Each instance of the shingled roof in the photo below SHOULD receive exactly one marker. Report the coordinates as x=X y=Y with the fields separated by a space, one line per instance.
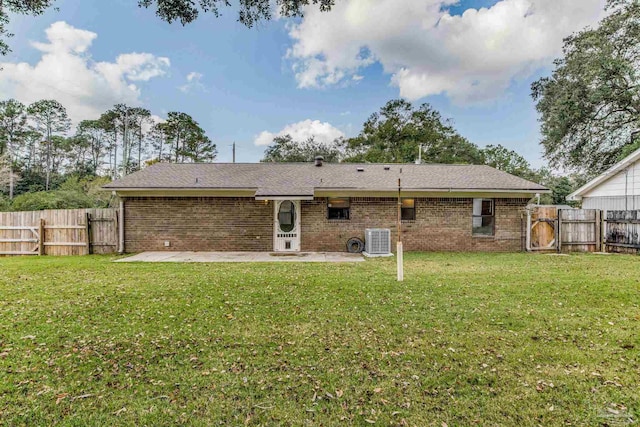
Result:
x=288 y=179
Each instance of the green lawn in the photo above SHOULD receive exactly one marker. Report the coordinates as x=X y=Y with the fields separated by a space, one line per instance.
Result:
x=510 y=339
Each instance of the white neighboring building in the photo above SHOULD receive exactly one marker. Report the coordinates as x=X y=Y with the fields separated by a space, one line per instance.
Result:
x=616 y=189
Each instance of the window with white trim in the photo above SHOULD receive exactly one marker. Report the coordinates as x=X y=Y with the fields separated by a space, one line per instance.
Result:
x=483 y=217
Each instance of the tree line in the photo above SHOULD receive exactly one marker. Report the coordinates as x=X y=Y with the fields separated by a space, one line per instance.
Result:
x=589 y=107
x=39 y=151
x=402 y=133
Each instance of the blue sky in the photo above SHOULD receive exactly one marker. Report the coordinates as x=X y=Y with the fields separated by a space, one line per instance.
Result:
x=262 y=80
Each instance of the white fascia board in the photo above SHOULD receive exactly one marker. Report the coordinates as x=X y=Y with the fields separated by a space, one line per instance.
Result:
x=611 y=172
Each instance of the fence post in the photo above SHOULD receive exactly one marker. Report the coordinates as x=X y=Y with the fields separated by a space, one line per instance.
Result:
x=42 y=236
x=559 y=231
x=527 y=242
x=603 y=228
x=598 y=231
x=88 y=232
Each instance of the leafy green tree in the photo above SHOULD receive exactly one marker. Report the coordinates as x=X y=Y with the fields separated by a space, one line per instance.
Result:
x=50 y=118
x=97 y=136
x=560 y=185
x=187 y=139
x=13 y=125
x=198 y=147
x=5 y=204
x=508 y=161
x=13 y=128
x=52 y=200
x=285 y=149
x=159 y=137
x=91 y=186
x=184 y=11
x=31 y=180
x=140 y=117
x=120 y=122
x=560 y=190
x=18 y=7
x=250 y=11
x=590 y=104
x=177 y=127
x=31 y=156
x=398 y=132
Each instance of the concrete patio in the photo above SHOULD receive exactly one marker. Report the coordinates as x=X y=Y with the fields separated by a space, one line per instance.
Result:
x=243 y=257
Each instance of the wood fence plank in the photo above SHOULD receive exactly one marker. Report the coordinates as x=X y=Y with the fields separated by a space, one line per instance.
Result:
x=18 y=230
x=87 y=221
x=41 y=237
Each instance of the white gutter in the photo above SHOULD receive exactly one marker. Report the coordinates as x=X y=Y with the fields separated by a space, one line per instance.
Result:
x=263 y=198
x=438 y=190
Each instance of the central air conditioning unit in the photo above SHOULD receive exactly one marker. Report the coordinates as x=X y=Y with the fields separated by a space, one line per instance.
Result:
x=378 y=242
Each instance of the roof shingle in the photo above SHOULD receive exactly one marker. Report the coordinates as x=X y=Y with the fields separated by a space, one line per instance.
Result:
x=271 y=179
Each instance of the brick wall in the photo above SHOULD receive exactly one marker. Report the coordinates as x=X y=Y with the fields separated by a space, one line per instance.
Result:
x=244 y=224
x=198 y=224
x=440 y=225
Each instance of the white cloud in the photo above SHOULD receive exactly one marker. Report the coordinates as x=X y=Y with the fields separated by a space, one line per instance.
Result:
x=194 y=81
x=301 y=131
x=66 y=72
x=471 y=58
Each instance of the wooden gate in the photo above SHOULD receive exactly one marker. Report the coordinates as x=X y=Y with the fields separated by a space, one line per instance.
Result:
x=542 y=229
x=59 y=232
x=564 y=230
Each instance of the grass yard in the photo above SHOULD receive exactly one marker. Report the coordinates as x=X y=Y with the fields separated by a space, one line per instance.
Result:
x=510 y=339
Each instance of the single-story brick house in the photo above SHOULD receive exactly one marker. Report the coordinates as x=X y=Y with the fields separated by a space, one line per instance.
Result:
x=318 y=207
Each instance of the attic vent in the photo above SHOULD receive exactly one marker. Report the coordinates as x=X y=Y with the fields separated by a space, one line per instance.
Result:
x=378 y=241
x=360 y=169
x=387 y=168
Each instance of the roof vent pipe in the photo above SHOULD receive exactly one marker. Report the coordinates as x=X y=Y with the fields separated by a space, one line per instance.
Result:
x=319 y=160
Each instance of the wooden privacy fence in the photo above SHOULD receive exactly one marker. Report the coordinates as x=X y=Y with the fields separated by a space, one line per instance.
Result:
x=582 y=230
x=579 y=230
x=623 y=231
x=59 y=232
x=564 y=230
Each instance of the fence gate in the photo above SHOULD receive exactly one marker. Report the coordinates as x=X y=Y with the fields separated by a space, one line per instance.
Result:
x=564 y=230
x=542 y=229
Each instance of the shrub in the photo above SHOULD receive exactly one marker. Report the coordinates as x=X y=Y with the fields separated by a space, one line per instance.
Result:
x=5 y=204
x=64 y=199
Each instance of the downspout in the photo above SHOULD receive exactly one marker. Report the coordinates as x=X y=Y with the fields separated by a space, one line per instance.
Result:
x=121 y=228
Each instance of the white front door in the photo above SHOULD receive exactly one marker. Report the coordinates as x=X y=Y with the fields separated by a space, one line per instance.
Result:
x=286 y=233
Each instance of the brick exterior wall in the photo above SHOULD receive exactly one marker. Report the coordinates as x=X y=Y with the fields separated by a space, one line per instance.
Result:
x=440 y=225
x=198 y=224
x=244 y=224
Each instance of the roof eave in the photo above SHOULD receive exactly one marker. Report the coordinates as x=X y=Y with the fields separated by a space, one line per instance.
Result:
x=612 y=171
